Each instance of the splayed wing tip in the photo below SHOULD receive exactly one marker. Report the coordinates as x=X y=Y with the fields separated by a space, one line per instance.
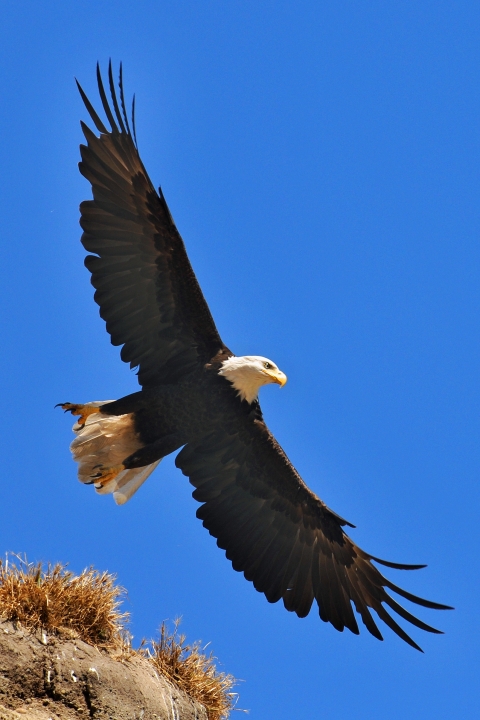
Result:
x=396 y=566
x=91 y=111
x=415 y=598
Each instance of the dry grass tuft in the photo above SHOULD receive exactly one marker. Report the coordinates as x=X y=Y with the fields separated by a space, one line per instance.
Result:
x=192 y=671
x=53 y=599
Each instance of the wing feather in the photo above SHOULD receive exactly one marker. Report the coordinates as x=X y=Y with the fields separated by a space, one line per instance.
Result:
x=283 y=537
x=138 y=258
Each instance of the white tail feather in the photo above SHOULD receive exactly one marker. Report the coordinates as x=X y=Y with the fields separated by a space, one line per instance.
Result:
x=107 y=440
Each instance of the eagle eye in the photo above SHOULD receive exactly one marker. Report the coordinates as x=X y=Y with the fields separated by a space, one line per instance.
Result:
x=267 y=365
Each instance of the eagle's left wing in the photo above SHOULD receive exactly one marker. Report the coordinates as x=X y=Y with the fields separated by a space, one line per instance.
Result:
x=283 y=537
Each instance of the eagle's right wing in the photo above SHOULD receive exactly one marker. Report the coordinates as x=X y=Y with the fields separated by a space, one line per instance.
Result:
x=283 y=537
x=145 y=285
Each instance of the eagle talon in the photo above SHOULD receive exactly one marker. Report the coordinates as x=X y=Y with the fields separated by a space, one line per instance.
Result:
x=83 y=411
x=106 y=474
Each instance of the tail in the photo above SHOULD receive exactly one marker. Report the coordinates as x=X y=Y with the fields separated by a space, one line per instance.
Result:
x=107 y=440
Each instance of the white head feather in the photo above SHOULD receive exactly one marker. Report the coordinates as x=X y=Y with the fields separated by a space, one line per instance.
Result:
x=247 y=374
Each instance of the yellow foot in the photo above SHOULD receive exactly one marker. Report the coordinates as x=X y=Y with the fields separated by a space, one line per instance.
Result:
x=105 y=474
x=82 y=410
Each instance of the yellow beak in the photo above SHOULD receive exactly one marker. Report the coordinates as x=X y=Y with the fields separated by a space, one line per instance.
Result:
x=278 y=377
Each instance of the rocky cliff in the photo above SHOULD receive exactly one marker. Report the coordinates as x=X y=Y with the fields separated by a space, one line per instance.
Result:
x=54 y=677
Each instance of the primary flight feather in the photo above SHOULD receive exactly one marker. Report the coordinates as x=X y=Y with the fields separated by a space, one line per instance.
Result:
x=198 y=396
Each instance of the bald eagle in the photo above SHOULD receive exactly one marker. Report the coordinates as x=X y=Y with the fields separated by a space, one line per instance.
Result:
x=198 y=397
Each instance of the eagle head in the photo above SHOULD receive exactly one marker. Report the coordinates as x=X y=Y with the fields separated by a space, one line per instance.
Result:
x=247 y=374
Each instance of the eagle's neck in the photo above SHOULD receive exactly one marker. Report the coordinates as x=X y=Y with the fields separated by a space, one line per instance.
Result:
x=244 y=376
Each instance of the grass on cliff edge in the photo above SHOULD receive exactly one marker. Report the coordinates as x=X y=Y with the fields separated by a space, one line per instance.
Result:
x=52 y=599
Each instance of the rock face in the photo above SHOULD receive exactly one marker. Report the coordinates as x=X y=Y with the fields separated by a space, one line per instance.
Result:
x=50 y=677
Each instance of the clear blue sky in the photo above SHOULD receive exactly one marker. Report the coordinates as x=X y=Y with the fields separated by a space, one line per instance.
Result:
x=321 y=160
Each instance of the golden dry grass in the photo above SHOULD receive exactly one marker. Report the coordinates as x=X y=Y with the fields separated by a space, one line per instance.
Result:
x=192 y=671
x=51 y=598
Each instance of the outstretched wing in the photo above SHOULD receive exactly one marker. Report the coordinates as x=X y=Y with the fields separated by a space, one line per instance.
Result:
x=283 y=537
x=145 y=286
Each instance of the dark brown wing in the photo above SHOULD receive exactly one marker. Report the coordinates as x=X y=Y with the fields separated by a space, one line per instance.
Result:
x=145 y=286
x=283 y=537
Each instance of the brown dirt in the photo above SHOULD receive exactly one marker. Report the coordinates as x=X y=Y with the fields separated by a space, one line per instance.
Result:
x=50 y=677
